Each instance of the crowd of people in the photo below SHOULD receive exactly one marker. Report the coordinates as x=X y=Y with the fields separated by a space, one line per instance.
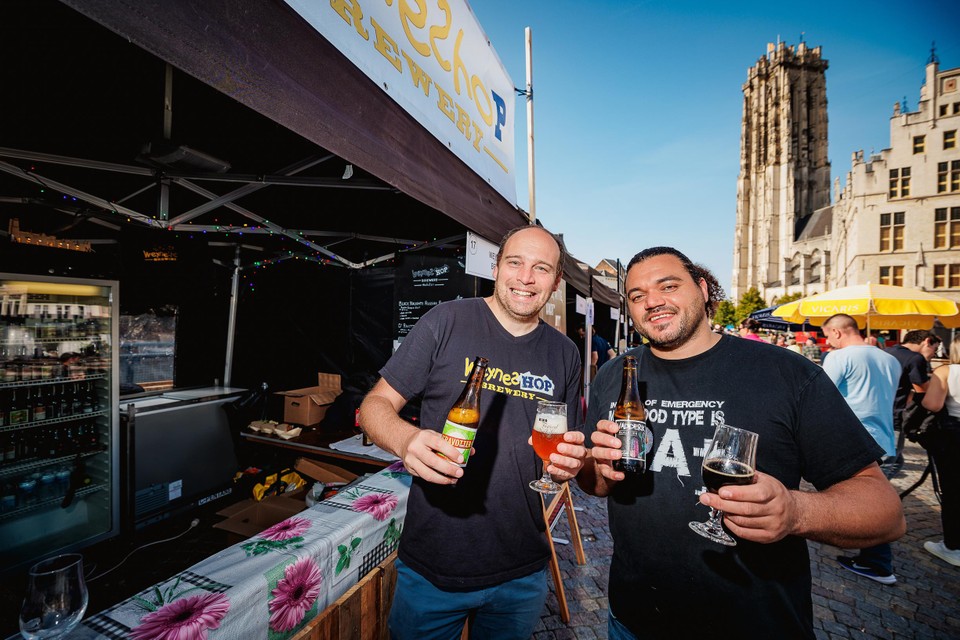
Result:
x=879 y=382
x=474 y=548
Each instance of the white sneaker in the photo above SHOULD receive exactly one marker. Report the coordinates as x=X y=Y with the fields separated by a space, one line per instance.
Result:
x=940 y=550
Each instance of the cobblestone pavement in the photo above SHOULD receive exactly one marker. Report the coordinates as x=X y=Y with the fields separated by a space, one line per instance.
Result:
x=923 y=604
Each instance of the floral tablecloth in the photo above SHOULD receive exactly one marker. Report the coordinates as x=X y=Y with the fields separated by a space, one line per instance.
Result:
x=272 y=584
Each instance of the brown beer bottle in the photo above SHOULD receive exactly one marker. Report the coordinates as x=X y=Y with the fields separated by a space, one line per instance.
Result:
x=631 y=417
x=463 y=418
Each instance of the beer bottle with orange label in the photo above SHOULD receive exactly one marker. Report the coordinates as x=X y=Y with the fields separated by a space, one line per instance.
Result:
x=464 y=417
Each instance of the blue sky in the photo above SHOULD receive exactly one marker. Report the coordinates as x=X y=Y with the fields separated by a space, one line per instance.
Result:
x=638 y=105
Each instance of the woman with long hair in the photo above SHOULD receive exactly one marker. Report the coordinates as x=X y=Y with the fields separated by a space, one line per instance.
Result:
x=944 y=447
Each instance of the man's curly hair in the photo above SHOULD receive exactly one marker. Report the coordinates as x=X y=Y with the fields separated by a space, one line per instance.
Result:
x=697 y=272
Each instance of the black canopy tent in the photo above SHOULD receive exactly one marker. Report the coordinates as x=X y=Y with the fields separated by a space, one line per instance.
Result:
x=769 y=321
x=238 y=122
x=265 y=57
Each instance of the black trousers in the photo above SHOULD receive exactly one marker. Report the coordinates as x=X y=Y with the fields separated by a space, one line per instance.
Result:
x=943 y=445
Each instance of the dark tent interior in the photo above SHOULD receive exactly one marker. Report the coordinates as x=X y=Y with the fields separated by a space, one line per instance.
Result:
x=87 y=94
x=184 y=138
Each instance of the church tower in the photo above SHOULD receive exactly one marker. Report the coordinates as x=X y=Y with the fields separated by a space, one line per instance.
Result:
x=784 y=170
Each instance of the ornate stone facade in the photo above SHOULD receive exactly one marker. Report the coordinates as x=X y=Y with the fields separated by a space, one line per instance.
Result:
x=895 y=221
x=784 y=174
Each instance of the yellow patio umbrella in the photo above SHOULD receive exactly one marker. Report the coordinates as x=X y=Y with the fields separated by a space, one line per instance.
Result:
x=951 y=322
x=875 y=306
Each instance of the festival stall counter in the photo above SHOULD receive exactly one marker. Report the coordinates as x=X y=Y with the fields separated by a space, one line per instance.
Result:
x=275 y=583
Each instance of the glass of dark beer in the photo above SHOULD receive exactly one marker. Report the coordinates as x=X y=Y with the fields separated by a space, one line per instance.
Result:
x=548 y=429
x=731 y=458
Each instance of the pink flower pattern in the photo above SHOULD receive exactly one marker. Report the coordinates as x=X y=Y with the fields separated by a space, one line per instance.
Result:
x=379 y=505
x=184 y=619
x=295 y=594
x=289 y=528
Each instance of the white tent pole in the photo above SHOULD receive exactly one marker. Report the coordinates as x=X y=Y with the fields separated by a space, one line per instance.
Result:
x=531 y=180
x=587 y=350
x=232 y=319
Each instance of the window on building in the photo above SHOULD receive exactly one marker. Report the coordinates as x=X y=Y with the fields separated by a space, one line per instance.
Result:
x=946 y=228
x=946 y=276
x=919 y=143
x=950 y=139
x=956 y=108
x=892 y=276
x=943 y=109
x=948 y=176
x=900 y=182
x=891 y=231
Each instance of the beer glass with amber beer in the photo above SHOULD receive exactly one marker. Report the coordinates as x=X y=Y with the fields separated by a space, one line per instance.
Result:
x=548 y=429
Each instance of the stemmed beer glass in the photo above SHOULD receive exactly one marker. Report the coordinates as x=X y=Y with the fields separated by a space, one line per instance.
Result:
x=731 y=458
x=56 y=597
x=548 y=429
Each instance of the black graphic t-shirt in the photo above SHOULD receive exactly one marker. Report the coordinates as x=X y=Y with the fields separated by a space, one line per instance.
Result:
x=489 y=527
x=667 y=581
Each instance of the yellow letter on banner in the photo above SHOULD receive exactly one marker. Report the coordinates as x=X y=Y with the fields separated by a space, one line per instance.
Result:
x=386 y=45
x=351 y=13
x=463 y=121
x=419 y=19
x=478 y=91
x=444 y=103
x=420 y=78
x=459 y=67
x=441 y=33
x=479 y=136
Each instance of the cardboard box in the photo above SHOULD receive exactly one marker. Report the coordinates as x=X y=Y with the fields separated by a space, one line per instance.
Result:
x=322 y=471
x=307 y=406
x=249 y=517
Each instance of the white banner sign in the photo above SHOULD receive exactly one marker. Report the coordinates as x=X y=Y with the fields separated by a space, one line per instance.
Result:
x=481 y=256
x=433 y=58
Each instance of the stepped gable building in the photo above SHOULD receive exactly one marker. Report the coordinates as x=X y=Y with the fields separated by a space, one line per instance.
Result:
x=784 y=175
x=895 y=221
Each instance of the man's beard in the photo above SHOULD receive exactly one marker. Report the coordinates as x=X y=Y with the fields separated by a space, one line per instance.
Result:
x=690 y=320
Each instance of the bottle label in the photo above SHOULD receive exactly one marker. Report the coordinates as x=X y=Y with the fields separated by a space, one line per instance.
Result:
x=633 y=438
x=461 y=437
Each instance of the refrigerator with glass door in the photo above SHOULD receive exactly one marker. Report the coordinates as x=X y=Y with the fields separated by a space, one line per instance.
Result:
x=59 y=395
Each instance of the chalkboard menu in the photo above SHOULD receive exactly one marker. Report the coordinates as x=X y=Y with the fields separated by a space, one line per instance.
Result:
x=422 y=282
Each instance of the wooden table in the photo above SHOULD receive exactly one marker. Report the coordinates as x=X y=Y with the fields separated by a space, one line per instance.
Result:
x=276 y=583
x=315 y=442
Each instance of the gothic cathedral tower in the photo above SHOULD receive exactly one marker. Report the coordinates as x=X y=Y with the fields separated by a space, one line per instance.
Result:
x=784 y=168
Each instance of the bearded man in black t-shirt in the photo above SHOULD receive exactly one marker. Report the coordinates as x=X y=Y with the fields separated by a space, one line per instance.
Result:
x=668 y=582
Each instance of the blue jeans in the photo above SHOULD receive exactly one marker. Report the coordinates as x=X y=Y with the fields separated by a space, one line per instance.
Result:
x=880 y=556
x=509 y=610
x=616 y=630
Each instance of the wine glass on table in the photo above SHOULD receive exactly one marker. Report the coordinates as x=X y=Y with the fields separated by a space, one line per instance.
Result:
x=731 y=458
x=56 y=597
x=548 y=429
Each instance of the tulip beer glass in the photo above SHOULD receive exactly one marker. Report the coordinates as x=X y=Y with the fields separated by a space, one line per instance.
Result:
x=56 y=597
x=731 y=458
x=548 y=429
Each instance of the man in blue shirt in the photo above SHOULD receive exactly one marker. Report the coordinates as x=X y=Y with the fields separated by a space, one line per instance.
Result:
x=867 y=378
